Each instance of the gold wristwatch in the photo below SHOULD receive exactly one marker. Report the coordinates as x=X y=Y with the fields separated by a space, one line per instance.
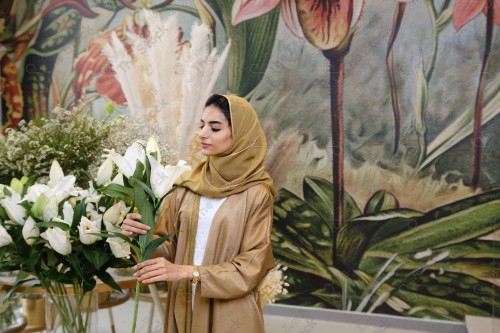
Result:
x=196 y=275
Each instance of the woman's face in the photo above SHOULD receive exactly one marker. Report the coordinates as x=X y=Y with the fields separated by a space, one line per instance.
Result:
x=215 y=133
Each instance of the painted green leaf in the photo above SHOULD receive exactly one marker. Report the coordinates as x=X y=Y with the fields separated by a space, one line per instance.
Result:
x=354 y=237
x=319 y=195
x=452 y=229
x=252 y=43
x=381 y=201
x=462 y=127
x=396 y=227
x=421 y=97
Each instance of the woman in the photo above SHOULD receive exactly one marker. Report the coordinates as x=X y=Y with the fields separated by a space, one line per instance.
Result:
x=220 y=222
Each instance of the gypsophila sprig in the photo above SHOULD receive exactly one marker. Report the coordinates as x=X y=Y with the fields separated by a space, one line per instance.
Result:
x=273 y=285
x=74 y=138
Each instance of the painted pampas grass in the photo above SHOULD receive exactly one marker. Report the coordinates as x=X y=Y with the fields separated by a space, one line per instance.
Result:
x=166 y=81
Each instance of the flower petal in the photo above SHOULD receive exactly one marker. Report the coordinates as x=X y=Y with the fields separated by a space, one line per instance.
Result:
x=247 y=9
x=325 y=23
x=291 y=18
x=465 y=10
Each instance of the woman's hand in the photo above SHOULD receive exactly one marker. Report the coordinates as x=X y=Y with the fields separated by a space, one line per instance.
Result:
x=132 y=225
x=160 y=269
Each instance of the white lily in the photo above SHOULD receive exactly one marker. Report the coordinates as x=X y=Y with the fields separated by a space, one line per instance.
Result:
x=152 y=148
x=87 y=227
x=56 y=174
x=118 y=179
x=127 y=163
x=115 y=214
x=119 y=247
x=35 y=191
x=104 y=172
x=5 y=238
x=163 y=178
x=51 y=209
x=17 y=185
x=92 y=213
x=68 y=212
x=30 y=231
x=58 y=240
x=15 y=212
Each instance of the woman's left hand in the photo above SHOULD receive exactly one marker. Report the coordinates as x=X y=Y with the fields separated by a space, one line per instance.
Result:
x=160 y=269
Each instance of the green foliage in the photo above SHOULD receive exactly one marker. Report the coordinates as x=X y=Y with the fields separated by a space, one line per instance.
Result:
x=74 y=139
x=391 y=260
x=252 y=42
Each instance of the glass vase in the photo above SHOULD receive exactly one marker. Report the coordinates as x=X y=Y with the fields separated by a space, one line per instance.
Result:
x=71 y=313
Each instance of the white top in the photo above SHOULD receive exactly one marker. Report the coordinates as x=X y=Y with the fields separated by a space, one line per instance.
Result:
x=208 y=208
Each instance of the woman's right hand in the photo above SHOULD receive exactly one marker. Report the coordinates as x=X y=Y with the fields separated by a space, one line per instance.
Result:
x=132 y=225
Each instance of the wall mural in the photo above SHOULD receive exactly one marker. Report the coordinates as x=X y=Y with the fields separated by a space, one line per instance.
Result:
x=381 y=116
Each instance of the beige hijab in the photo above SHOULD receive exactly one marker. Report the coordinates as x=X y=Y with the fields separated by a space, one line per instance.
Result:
x=242 y=165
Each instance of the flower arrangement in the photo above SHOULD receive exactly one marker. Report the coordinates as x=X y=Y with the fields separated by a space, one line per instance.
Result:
x=62 y=234
x=46 y=233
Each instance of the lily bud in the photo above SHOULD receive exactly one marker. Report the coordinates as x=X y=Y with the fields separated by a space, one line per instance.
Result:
x=5 y=238
x=30 y=231
x=104 y=172
x=58 y=240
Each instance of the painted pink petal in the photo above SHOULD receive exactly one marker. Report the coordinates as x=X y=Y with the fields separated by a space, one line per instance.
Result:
x=496 y=13
x=465 y=10
x=247 y=9
x=357 y=9
x=291 y=18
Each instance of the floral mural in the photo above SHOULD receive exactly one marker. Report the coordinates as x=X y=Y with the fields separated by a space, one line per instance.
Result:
x=381 y=117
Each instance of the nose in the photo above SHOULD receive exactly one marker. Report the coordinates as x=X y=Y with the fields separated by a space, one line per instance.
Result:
x=202 y=132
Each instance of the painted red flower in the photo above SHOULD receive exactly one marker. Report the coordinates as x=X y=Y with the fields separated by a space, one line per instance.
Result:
x=465 y=11
x=92 y=67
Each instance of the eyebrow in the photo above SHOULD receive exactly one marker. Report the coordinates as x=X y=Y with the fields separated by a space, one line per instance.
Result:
x=212 y=122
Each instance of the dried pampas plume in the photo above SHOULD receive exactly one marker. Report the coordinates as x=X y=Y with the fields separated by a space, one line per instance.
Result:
x=281 y=154
x=166 y=81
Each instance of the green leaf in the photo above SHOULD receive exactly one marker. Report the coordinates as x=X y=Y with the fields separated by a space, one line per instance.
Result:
x=444 y=19
x=135 y=181
x=51 y=224
x=410 y=220
x=381 y=201
x=39 y=206
x=252 y=43
x=452 y=229
x=300 y=228
x=153 y=245
x=118 y=191
x=462 y=127
x=79 y=211
x=15 y=287
x=97 y=257
x=139 y=170
x=146 y=210
x=421 y=97
x=73 y=260
x=108 y=279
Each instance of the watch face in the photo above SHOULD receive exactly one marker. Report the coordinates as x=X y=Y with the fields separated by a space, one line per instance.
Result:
x=196 y=274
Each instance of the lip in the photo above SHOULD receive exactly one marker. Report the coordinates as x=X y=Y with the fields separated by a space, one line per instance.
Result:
x=204 y=145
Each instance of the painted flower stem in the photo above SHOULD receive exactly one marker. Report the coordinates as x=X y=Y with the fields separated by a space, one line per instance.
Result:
x=398 y=17
x=336 y=59
x=477 y=141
